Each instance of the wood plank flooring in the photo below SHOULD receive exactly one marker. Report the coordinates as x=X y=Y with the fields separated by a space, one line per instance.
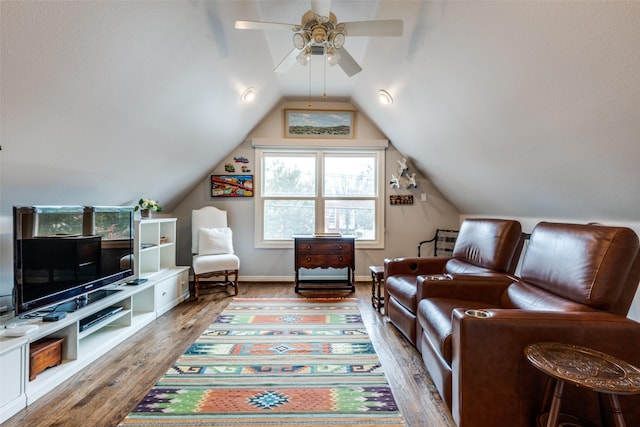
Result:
x=105 y=393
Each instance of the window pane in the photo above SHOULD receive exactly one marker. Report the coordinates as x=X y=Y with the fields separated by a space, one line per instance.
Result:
x=284 y=218
x=356 y=217
x=59 y=223
x=113 y=225
x=289 y=175
x=350 y=176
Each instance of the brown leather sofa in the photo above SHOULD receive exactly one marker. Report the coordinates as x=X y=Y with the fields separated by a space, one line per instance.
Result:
x=489 y=249
x=576 y=285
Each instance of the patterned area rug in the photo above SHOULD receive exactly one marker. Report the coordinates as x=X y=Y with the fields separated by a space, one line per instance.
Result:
x=277 y=362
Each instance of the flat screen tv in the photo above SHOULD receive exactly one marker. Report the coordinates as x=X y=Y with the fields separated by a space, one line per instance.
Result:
x=62 y=253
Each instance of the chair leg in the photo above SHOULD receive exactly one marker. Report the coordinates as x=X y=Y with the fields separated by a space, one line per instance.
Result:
x=227 y=281
x=196 y=290
x=192 y=289
x=235 y=282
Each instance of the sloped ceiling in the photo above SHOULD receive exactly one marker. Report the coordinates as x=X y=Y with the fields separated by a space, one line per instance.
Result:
x=510 y=108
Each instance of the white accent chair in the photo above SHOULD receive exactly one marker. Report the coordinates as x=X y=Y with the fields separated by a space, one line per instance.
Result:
x=212 y=248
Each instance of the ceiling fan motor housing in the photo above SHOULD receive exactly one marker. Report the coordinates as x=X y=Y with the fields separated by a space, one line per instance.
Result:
x=320 y=30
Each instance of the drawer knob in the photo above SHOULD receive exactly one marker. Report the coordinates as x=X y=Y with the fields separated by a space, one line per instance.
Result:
x=308 y=247
x=340 y=258
x=308 y=259
x=340 y=247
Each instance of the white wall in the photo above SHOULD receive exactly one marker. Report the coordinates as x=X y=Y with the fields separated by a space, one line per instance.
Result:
x=405 y=225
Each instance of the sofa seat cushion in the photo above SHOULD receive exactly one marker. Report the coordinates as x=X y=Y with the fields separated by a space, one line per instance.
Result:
x=210 y=263
x=456 y=266
x=434 y=317
x=402 y=287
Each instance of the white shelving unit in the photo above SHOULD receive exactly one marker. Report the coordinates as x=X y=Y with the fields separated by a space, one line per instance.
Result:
x=155 y=246
x=166 y=287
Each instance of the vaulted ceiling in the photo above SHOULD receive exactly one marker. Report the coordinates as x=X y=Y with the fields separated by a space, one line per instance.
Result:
x=513 y=108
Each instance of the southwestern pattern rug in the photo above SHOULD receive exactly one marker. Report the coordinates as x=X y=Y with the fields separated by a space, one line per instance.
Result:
x=278 y=362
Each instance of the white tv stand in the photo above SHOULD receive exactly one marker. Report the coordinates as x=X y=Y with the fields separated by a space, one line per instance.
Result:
x=167 y=286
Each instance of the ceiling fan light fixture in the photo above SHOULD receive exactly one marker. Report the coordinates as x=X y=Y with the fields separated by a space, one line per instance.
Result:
x=248 y=95
x=336 y=39
x=319 y=30
x=300 y=40
x=333 y=57
x=304 y=56
x=384 y=97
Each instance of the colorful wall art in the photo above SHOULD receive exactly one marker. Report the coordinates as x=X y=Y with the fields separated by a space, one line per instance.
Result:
x=231 y=185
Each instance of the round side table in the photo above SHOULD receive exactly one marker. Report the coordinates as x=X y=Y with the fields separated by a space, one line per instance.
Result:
x=585 y=368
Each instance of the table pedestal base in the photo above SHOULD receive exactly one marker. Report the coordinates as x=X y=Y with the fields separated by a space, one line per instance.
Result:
x=564 y=420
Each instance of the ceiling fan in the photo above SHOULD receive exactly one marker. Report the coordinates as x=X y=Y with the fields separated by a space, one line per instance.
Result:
x=319 y=33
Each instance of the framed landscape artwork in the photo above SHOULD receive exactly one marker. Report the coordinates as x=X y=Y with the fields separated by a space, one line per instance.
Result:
x=231 y=185
x=319 y=123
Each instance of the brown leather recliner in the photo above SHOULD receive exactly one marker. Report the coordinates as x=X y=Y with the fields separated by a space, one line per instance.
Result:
x=576 y=285
x=486 y=248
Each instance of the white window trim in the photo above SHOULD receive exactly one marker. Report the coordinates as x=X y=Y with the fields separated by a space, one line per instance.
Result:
x=377 y=149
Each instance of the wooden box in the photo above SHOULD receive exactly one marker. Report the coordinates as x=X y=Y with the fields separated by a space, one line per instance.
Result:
x=43 y=354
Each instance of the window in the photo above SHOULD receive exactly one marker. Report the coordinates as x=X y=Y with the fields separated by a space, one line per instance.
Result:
x=315 y=190
x=59 y=221
x=111 y=223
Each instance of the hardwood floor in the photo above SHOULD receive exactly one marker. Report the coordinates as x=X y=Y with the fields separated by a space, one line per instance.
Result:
x=106 y=392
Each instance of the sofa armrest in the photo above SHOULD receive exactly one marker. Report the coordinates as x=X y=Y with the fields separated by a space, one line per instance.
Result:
x=414 y=266
x=486 y=288
x=488 y=355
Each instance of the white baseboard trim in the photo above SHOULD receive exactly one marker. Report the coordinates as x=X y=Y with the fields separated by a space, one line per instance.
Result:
x=287 y=278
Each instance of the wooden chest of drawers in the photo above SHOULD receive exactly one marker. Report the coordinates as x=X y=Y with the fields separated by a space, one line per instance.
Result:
x=43 y=354
x=325 y=252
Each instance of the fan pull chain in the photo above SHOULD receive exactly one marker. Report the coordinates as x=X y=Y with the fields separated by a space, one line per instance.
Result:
x=309 y=101
x=324 y=91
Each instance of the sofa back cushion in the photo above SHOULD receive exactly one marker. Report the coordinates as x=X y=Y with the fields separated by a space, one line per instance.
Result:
x=485 y=245
x=524 y=296
x=587 y=264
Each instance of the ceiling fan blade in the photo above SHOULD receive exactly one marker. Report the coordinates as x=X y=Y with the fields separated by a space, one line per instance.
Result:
x=287 y=62
x=321 y=7
x=348 y=64
x=257 y=25
x=381 y=28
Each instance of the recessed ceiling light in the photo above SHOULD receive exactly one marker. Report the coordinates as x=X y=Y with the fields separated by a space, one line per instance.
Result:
x=384 y=97
x=248 y=95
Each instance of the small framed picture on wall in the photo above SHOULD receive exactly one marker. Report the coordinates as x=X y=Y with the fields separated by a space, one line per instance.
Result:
x=319 y=123
x=231 y=185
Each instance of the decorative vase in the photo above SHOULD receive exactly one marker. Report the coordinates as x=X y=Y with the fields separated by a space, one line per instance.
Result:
x=145 y=213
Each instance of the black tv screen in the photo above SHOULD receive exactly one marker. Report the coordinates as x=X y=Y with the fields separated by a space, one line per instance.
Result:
x=64 y=252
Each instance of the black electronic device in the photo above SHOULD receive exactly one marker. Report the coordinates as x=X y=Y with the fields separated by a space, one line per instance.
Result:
x=54 y=317
x=136 y=282
x=64 y=252
x=97 y=317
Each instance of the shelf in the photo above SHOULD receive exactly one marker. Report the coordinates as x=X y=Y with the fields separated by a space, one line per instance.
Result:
x=106 y=321
x=168 y=285
x=106 y=338
x=160 y=233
